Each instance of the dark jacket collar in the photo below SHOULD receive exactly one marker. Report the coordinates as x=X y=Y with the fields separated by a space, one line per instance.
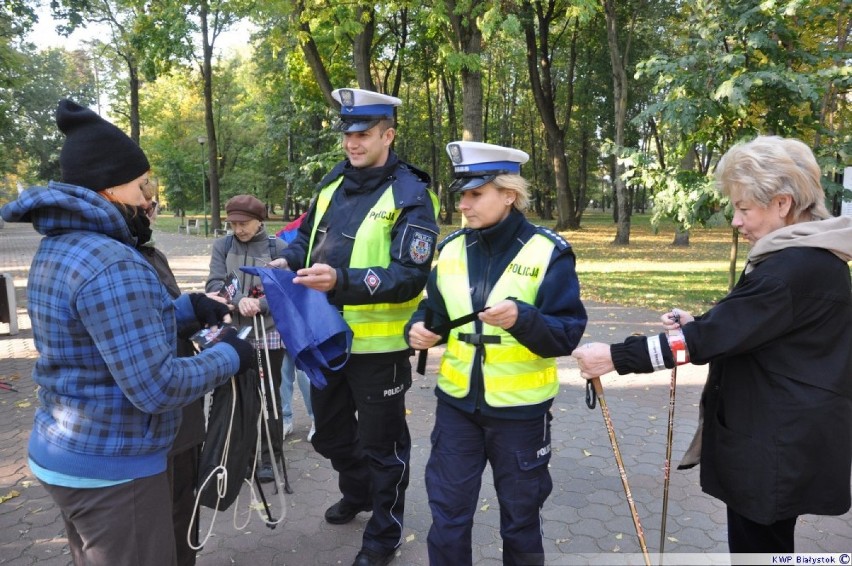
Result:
x=501 y=235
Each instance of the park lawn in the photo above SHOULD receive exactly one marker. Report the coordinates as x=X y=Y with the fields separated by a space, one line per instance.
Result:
x=648 y=273
x=651 y=272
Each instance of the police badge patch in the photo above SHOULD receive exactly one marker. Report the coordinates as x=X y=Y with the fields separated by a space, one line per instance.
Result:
x=347 y=99
x=421 y=247
x=372 y=281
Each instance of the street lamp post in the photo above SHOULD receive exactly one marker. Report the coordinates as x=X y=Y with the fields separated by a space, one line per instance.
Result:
x=201 y=141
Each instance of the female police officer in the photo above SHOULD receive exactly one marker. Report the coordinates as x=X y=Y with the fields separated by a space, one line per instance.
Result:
x=497 y=378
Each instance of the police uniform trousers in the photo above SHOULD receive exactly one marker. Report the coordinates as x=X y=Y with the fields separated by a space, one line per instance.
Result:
x=518 y=451
x=370 y=451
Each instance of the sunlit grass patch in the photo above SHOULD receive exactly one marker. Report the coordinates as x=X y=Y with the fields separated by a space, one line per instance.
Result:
x=693 y=291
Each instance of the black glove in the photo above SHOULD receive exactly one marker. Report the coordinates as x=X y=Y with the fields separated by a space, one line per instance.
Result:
x=244 y=350
x=208 y=312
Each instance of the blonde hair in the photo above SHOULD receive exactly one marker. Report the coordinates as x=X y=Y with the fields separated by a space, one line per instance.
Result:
x=769 y=166
x=518 y=185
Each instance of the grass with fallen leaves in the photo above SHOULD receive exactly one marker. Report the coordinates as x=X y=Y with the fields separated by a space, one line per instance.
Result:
x=649 y=272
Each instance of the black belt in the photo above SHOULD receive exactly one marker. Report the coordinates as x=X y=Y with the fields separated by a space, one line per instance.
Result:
x=443 y=329
x=477 y=339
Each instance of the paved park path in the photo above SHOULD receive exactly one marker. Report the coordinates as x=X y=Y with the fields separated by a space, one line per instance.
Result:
x=586 y=519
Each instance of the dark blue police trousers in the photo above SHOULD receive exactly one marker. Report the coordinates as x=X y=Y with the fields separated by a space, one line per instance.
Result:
x=369 y=450
x=518 y=451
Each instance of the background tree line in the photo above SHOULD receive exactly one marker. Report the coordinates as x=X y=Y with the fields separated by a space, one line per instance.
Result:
x=620 y=104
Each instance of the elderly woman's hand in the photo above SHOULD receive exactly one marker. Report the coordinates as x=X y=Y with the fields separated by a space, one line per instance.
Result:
x=249 y=306
x=675 y=319
x=594 y=359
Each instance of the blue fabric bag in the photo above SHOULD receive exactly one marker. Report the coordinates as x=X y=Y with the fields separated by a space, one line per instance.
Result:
x=313 y=331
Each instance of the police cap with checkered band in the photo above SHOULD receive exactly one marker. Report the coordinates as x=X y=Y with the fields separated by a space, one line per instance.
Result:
x=361 y=109
x=477 y=163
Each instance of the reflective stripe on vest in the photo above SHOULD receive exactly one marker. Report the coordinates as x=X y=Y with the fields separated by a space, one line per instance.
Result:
x=376 y=327
x=512 y=374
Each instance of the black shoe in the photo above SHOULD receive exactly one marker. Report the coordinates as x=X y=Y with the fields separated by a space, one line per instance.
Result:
x=265 y=473
x=343 y=512
x=372 y=558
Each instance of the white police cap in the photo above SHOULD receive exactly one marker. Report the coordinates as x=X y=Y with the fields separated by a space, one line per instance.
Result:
x=361 y=109
x=477 y=163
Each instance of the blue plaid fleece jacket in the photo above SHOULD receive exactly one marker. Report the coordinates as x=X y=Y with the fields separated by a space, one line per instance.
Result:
x=110 y=383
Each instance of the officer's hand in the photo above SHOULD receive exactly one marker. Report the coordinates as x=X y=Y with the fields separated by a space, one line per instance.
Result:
x=504 y=314
x=209 y=312
x=244 y=350
x=279 y=263
x=420 y=338
x=319 y=276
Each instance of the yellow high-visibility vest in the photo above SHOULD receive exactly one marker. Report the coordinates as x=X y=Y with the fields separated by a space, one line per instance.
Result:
x=512 y=374
x=375 y=327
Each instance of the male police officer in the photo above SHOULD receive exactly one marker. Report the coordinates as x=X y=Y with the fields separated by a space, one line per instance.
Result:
x=367 y=242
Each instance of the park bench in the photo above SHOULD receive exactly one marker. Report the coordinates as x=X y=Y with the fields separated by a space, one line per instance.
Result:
x=224 y=230
x=191 y=226
x=8 y=306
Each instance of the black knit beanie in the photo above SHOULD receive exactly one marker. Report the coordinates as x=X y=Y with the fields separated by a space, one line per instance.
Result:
x=96 y=154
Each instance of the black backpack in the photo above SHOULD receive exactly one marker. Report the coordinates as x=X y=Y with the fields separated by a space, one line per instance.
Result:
x=228 y=449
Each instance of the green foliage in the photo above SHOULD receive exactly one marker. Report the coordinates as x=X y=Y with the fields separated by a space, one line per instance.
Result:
x=688 y=198
x=52 y=74
x=702 y=75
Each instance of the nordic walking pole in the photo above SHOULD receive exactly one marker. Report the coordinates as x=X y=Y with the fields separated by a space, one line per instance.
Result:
x=595 y=389
x=668 y=467
x=268 y=365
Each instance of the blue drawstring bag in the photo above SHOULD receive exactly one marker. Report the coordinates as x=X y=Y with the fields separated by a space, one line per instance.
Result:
x=313 y=331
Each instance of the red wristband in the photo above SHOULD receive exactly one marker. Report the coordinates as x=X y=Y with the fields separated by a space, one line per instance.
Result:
x=677 y=344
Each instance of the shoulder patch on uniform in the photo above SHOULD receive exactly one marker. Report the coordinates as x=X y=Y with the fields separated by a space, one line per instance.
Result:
x=451 y=236
x=560 y=242
x=420 y=249
x=372 y=281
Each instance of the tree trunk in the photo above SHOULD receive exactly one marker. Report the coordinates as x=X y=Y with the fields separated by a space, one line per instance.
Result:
x=362 y=47
x=452 y=123
x=434 y=150
x=312 y=56
x=583 y=173
x=681 y=237
x=210 y=125
x=133 y=71
x=471 y=105
x=619 y=91
x=468 y=40
x=537 y=34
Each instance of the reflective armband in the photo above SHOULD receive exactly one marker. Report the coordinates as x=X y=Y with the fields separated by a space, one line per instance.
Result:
x=677 y=343
x=655 y=352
